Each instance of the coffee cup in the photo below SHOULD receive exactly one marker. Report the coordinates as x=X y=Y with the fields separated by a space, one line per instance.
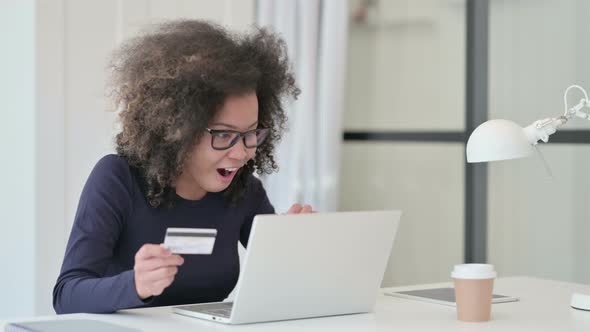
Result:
x=474 y=285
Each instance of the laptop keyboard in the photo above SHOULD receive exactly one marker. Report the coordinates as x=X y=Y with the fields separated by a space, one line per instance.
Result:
x=215 y=309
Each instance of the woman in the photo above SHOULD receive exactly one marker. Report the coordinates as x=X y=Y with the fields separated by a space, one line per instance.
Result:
x=202 y=109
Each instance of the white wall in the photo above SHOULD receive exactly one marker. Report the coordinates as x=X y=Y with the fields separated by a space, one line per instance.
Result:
x=56 y=124
x=50 y=177
x=18 y=160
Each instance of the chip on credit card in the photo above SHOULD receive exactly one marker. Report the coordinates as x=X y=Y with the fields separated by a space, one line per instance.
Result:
x=190 y=241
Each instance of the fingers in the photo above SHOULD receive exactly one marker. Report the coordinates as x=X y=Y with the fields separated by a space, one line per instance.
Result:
x=160 y=274
x=306 y=209
x=152 y=250
x=298 y=208
x=155 y=268
x=154 y=288
x=295 y=208
x=161 y=285
x=156 y=262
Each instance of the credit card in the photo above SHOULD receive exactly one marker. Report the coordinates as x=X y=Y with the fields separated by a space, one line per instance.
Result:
x=190 y=241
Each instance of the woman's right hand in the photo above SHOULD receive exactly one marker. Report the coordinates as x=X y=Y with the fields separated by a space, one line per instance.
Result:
x=155 y=269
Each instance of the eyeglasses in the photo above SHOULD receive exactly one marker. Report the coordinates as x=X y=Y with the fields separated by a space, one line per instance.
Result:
x=225 y=139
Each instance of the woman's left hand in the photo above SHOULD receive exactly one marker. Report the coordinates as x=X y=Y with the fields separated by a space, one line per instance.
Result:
x=298 y=208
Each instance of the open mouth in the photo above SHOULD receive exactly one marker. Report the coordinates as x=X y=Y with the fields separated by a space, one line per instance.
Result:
x=227 y=172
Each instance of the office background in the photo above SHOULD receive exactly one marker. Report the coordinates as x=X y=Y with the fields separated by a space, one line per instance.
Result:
x=408 y=97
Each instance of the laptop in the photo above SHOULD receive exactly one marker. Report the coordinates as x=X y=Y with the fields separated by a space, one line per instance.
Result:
x=307 y=265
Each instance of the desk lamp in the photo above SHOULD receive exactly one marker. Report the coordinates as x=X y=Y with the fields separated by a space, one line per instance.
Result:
x=502 y=140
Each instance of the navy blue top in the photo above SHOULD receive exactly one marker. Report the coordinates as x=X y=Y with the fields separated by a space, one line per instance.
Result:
x=114 y=220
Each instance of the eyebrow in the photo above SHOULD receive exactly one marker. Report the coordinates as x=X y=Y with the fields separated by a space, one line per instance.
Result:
x=231 y=126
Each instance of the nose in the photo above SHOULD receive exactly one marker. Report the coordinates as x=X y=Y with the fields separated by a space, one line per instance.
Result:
x=239 y=150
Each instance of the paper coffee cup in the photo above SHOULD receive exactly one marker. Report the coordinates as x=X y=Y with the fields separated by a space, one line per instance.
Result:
x=474 y=285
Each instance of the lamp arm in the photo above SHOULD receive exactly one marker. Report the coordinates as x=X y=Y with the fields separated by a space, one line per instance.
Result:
x=576 y=110
x=540 y=130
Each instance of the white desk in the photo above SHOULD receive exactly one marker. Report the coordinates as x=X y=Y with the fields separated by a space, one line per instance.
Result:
x=543 y=306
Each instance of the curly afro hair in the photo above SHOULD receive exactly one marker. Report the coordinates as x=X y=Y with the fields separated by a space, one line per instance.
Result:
x=170 y=81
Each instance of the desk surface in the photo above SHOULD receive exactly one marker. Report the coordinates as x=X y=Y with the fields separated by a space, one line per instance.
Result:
x=543 y=306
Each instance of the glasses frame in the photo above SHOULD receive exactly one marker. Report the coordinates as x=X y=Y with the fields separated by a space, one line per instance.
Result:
x=241 y=135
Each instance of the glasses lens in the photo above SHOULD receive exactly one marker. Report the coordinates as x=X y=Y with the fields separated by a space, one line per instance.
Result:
x=255 y=138
x=223 y=140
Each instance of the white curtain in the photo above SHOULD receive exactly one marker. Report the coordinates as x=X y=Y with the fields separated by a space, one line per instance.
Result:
x=316 y=33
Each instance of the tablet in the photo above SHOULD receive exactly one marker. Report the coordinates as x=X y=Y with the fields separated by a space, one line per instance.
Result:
x=68 y=325
x=445 y=296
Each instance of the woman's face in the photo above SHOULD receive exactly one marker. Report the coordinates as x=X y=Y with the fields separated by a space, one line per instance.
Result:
x=212 y=170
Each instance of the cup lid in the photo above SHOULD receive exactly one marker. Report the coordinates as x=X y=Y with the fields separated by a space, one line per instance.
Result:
x=474 y=271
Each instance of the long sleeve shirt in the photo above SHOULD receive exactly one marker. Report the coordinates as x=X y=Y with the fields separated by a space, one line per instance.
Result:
x=114 y=220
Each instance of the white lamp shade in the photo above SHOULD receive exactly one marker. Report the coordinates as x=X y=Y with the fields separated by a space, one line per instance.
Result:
x=497 y=140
